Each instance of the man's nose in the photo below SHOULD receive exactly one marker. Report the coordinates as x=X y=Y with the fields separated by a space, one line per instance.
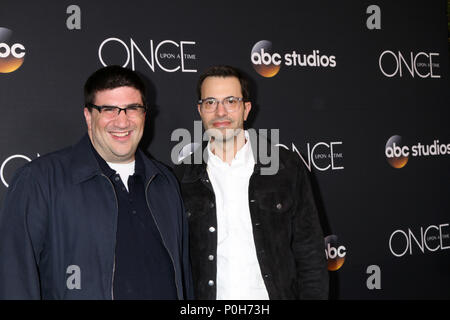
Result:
x=221 y=110
x=122 y=119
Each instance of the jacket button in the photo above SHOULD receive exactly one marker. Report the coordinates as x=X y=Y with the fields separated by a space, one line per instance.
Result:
x=188 y=213
x=210 y=283
x=210 y=257
x=212 y=229
x=279 y=206
x=211 y=205
x=117 y=178
x=257 y=224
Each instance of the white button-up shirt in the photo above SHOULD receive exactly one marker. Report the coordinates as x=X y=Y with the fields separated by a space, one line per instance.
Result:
x=238 y=272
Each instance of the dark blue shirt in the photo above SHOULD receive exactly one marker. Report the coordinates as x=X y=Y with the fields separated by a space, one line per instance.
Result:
x=143 y=267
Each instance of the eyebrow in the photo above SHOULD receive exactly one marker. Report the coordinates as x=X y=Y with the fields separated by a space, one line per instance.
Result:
x=218 y=98
x=128 y=105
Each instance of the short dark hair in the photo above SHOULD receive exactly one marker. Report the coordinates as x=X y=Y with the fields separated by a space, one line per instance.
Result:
x=224 y=71
x=112 y=77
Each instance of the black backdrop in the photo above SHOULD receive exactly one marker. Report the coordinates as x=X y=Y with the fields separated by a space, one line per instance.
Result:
x=386 y=92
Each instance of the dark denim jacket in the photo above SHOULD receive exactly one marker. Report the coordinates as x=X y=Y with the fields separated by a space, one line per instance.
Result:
x=286 y=229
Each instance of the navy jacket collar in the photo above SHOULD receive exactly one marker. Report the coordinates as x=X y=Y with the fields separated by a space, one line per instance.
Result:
x=84 y=164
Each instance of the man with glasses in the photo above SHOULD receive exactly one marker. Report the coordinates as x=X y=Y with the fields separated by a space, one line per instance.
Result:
x=98 y=220
x=252 y=236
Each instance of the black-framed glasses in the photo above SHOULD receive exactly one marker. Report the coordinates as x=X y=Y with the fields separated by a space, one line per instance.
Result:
x=111 y=112
x=230 y=103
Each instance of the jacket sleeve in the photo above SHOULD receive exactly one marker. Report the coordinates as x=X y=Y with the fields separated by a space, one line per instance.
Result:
x=308 y=243
x=22 y=229
x=188 y=283
x=187 y=274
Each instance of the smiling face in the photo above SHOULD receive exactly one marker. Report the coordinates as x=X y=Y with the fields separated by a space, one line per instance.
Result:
x=115 y=140
x=221 y=123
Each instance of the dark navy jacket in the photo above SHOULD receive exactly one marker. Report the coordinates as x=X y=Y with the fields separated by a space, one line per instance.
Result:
x=58 y=227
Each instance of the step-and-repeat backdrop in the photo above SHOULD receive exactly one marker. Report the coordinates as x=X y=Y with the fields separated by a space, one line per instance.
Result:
x=359 y=90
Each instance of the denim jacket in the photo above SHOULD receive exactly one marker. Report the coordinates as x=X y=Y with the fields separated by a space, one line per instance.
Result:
x=286 y=229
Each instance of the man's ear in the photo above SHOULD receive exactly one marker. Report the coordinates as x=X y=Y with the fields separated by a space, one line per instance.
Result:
x=87 y=117
x=247 y=108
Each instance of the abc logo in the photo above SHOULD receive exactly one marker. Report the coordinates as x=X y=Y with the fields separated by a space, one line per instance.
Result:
x=11 y=54
x=264 y=61
x=396 y=154
x=334 y=252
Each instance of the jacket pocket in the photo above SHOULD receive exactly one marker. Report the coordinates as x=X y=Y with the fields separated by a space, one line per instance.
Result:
x=197 y=207
x=277 y=203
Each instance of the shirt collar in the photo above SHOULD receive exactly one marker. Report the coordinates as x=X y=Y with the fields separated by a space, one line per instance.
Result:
x=243 y=158
x=109 y=172
x=194 y=171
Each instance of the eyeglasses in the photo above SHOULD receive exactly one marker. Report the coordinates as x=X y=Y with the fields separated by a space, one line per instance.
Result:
x=111 y=112
x=230 y=103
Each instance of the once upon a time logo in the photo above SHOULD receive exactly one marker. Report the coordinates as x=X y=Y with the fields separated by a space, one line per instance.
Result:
x=410 y=64
x=424 y=239
x=166 y=55
x=322 y=156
